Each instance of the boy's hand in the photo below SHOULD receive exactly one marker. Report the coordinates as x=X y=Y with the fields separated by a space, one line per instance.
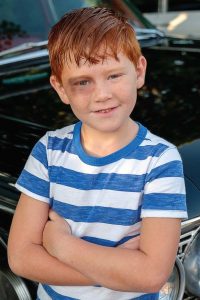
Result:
x=132 y=244
x=54 y=231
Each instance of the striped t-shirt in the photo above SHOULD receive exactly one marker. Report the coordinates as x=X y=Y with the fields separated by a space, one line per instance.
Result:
x=104 y=198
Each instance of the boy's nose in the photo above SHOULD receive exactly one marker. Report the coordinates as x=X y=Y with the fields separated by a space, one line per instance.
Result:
x=102 y=92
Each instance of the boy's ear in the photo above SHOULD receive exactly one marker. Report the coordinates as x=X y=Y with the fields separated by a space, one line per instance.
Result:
x=58 y=87
x=141 y=71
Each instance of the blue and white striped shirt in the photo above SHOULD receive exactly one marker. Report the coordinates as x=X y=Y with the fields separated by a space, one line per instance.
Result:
x=104 y=198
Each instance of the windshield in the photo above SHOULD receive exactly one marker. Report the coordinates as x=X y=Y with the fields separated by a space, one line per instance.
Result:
x=27 y=21
x=22 y=21
x=60 y=7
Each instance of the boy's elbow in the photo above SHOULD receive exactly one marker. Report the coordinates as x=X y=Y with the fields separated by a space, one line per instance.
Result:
x=155 y=281
x=155 y=284
x=15 y=262
x=160 y=276
x=151 y=282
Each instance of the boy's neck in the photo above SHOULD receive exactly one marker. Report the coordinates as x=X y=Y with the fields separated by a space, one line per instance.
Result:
x=100 y=144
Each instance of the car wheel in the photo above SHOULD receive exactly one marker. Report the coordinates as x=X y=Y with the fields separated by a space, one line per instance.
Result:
x=175 y=286
x=12 y=287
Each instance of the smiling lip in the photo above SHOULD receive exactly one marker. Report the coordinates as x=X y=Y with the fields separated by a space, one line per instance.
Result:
x=106 y=110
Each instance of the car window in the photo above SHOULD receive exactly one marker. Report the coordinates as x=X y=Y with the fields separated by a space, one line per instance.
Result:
x=61 y=6
x=30 y=20
x=22 y=21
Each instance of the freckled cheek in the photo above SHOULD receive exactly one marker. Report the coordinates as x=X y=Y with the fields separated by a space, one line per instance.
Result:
x=80 y=105
x=127 y=96
x=80 y=112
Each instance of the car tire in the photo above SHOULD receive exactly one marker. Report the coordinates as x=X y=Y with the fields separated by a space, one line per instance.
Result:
x=12 y=287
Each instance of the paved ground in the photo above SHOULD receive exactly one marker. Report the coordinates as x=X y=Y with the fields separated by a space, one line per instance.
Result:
x=178 y=23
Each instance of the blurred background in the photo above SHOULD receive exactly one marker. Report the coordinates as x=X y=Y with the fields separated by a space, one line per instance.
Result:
x=179 y=17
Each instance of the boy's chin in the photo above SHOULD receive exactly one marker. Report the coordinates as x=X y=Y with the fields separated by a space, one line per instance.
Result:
x=106 y=127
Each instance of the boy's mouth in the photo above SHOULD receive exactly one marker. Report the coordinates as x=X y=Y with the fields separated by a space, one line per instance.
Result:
x=107 y=110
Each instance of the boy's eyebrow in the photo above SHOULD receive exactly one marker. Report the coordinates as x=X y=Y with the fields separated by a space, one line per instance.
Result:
x=87 y=76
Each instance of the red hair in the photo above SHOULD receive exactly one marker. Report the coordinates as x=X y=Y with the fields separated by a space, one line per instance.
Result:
x=83 y=32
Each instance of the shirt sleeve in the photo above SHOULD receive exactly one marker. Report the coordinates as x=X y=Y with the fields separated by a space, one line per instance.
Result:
x=164 y=191
x=34 y=178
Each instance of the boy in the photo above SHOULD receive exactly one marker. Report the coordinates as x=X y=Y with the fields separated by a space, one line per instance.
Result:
x=119 y=187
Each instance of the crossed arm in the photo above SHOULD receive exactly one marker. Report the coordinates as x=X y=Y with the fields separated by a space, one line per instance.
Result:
x=38 y=246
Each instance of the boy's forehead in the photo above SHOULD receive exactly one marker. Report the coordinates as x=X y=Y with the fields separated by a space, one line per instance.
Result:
x=72 y=70
x=84 y=63
x=90 y=56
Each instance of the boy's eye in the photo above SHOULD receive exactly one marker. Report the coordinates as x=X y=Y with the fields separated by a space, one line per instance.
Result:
x=81 y=82
x=114 y=76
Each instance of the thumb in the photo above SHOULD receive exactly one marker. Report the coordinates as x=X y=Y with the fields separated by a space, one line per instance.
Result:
x=53 y=216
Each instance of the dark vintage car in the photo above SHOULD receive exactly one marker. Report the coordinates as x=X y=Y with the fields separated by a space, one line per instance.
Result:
x=168 y=104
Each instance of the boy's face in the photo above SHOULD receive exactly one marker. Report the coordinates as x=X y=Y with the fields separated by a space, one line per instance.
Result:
x=102 y=95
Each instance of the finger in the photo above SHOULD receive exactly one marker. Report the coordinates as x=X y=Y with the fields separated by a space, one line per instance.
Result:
x=69 y=229
x=53 y=216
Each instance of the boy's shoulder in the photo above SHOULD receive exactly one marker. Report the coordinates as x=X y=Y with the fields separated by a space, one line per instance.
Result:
x=57 y=138
x=157 y=145
x=64 y=132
